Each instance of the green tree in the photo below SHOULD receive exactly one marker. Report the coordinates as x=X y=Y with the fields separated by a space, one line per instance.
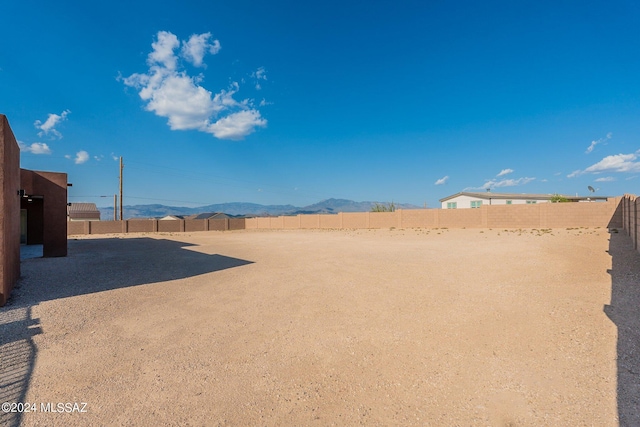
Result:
x=381 y=207
x=557 y=198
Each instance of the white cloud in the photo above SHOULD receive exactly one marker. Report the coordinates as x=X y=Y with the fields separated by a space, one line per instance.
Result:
x=180 y=98
x=606 y=179
x=237 y=125
x=259 y=74
x=81 y=157
x=599 y=141
x=502 y=183
x=615 y=163
x=67 y=156
x=442 y=180
x=505 y=172
x=197 y=46
x=35 y=148
x=114 y=157
x=48 y=127
x=507 y=182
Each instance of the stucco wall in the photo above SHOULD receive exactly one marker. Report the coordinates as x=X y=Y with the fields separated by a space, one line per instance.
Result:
x=10 y=210
x=53 y=187
x=542 y=215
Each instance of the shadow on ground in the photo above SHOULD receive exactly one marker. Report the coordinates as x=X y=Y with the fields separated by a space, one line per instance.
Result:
x=624 y=311
x=94 y=265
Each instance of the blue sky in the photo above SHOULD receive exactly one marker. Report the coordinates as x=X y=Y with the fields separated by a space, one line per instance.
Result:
x=294 y=102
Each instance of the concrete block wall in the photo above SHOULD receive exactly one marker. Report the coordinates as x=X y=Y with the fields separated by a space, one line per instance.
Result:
x=630 y=219
x=153 y=226
x=541 y=215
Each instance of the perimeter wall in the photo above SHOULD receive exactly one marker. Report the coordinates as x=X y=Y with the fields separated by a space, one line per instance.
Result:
x=540 y=215
x=630 y=217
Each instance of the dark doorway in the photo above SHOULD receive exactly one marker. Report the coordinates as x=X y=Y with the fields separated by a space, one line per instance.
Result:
x=34 y=208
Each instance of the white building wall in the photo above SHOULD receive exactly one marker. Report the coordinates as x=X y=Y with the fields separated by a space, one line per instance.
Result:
x=464 y=202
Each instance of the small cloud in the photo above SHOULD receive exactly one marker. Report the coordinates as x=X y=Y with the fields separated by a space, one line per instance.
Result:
x=197 y=46
x=48 y=127
x=599 y=141
x=544 y=180
x=505 y=172
x=502 y=183
x=98 y=158
x=606 y=179
x=81 y=157
x=114 y=157
x=67 y=156
x=237 y=125
x=35 y=148
x=259 y=74
x=442 y=180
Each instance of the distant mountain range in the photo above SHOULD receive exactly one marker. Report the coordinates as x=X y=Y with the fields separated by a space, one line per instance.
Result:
x=248 y=209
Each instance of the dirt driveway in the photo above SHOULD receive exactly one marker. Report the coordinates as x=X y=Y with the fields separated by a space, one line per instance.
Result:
x=374 y=327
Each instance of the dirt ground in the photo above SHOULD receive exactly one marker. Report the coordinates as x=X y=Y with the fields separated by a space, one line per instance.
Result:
x=436 y=327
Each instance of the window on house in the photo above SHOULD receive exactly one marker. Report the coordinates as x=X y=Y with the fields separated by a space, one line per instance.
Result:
x=532 y=202
x=509 y=202
x=452 y=205
x=476 y=203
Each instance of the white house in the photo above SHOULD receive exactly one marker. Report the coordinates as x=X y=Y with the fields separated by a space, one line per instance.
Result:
x=475 y=200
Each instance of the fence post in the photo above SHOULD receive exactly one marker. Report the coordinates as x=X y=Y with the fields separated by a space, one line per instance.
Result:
x=635 y=224
x=484 y=215
x=629 y=218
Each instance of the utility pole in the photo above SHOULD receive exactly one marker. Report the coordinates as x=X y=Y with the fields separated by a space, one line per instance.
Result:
x=115 y=207
x=121 y=167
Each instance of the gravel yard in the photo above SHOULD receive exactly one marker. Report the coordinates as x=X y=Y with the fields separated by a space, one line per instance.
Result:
x=434 y=327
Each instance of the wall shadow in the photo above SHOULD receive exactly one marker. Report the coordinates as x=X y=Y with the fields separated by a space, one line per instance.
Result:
x=96 y=265
x=17 y=357
x=93 y=265
x=624 y=311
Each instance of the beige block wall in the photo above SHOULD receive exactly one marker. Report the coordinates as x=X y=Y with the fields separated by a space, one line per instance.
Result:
x=195 y=225
x=99 y=227
x=309 y=221
x=613 y=213
x=330 y=221
x=459 y=218
x=355 y=220
x=291 y=222
x=169 y=226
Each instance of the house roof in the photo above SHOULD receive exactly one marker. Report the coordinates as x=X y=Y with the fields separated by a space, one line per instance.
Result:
x=210 y=215
x=83 y=211
x=82 y=207
x=487 y=195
